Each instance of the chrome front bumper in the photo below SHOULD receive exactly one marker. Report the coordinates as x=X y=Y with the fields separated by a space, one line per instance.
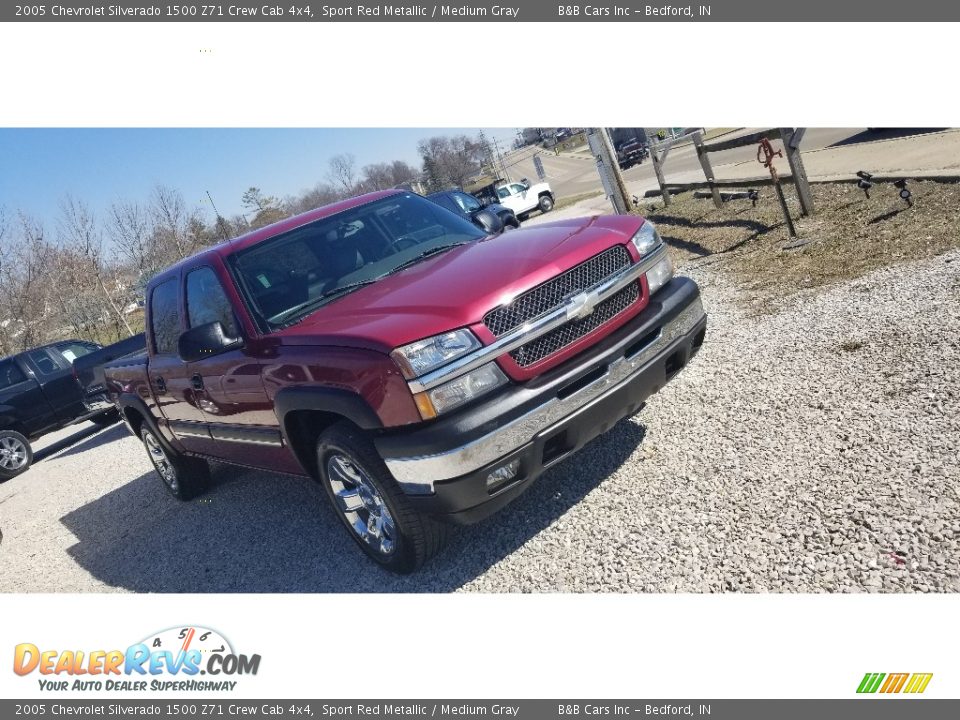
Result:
x=417 y=474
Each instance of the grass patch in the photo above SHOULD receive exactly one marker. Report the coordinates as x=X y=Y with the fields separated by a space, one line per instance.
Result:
x=850 y=235
x=574 y=199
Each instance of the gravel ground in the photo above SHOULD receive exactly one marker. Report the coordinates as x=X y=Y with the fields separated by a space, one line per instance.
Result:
x=808 y=450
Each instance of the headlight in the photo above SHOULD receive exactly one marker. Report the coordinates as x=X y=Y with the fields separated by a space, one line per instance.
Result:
x=425 y=355
x=646 y=238
x=459 y=391
x=659 y=275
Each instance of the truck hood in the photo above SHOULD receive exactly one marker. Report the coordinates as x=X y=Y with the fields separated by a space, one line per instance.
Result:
x=457 y=288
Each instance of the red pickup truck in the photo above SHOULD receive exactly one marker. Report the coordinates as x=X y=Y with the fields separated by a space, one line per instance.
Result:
x=424 y=372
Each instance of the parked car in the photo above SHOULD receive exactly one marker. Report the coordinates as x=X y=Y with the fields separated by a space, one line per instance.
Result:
x=522 y=198
x=423 y=372
x=631 y=152
x=39 y=394
x=467 y=206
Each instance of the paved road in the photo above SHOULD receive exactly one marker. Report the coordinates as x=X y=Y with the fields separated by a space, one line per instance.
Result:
x=828 y=154
x=575 y=174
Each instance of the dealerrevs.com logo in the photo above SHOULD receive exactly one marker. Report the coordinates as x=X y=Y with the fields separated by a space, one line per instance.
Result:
x=172 y=659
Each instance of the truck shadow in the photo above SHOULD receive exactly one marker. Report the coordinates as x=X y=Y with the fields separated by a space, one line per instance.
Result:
x=91 y=436
x=261 y=532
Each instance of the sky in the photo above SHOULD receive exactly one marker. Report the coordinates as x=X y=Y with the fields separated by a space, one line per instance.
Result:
x=38 y=167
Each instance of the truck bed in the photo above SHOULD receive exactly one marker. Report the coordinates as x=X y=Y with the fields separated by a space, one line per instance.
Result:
x=88 y=369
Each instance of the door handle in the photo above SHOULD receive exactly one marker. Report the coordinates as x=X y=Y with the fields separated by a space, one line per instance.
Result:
x=197 y=382
x=160 y=383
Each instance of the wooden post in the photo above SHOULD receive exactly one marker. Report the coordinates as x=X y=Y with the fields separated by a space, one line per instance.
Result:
x=707 y=169
x=615 y=172
x=791 y=146
x=658 y=169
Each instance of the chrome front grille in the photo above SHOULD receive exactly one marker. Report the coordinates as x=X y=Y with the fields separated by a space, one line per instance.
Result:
x=545 y=345
x=555 y=291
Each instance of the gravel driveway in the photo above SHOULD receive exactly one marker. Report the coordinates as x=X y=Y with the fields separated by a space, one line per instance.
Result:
x=815 y=449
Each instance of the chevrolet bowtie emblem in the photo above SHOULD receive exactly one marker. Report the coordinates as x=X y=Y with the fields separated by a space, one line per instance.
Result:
x=582 y=305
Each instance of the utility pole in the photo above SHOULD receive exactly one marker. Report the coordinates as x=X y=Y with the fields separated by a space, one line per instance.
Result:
x=503 y=167
x=609 y=169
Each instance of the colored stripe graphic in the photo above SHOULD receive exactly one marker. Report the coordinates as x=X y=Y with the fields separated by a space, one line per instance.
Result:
x=894 y=683
x=918 y=682
x=870 y=682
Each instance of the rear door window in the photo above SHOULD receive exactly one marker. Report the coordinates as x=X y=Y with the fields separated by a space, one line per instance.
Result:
x=165 y=317
x=44 y=361
x=207 y=302
x=10 y=374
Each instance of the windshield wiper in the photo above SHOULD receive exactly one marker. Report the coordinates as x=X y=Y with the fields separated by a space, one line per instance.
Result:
x=319 y=300
x=423 y=256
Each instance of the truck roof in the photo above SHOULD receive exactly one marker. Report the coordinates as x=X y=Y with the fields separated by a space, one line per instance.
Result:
x=249 y=239
x=44 y=346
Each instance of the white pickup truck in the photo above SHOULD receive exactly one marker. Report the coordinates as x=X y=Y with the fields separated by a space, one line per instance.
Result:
x=521 y=197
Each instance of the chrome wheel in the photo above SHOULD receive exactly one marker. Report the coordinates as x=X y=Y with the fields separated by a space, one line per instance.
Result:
x=361 y=504
x=160 y=460
x=13 y=453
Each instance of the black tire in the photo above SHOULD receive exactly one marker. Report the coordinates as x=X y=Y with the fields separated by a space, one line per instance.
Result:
x=416 y=537
x=106 y=419
x=16 y=455
x=184 y=477
x=545 y=203
x=511 y=225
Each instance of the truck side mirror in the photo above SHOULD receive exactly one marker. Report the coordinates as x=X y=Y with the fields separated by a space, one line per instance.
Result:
x=489 y=221
x=204 y=341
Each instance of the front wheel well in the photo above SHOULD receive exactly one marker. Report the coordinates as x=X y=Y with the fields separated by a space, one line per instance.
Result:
x=8 y=424
x=302 y=429
x=134 y=420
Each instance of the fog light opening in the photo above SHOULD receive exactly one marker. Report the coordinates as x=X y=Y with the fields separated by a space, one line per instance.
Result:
x=502 y=475
x=698 y=340
x=674 y=364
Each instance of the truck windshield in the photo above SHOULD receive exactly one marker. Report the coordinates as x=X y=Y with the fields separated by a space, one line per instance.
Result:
x=289 y=276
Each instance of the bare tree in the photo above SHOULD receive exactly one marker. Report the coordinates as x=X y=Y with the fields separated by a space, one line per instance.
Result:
x=80 y=236
x=23 y=284
x=450 y=160
x=130 y=230
x=343 y=172
x=402 y=172
x=378 y=176
x=170 y=220
x=322 y=194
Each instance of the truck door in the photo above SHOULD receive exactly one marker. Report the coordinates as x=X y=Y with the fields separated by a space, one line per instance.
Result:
x=169 y=376
x=513 y=197
x=22 y=404
x=229 y=386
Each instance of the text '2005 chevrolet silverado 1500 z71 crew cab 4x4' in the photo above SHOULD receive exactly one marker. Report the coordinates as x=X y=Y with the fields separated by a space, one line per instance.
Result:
x=423 y=372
